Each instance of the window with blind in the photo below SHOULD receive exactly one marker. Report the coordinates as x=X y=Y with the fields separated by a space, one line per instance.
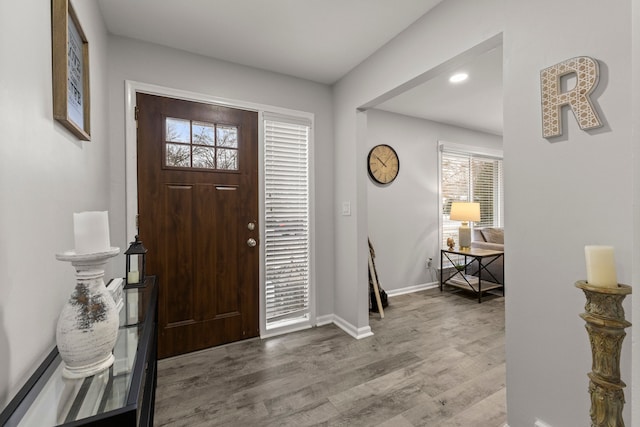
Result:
x=286 y=241
x=470 y=177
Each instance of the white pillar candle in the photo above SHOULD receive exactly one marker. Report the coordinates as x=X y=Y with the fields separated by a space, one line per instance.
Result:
x=91 y=232
x=601 y=266
x=133 y=277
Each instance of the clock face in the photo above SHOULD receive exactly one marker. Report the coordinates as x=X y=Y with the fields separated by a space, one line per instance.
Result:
x=383 y=164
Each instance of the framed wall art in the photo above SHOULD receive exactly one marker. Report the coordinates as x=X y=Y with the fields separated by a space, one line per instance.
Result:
x=70 y=54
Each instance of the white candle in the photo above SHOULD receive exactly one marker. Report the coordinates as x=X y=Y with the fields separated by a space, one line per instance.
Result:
x=601 y=266
x=133 y=277
x=91 y=232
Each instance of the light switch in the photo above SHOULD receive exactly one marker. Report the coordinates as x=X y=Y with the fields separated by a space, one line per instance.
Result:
x=346 y=208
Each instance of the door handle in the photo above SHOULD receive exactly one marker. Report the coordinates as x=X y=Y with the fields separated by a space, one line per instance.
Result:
x=252 y=242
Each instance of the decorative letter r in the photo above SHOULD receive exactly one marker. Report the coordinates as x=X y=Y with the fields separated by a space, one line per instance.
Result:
x=587 y=73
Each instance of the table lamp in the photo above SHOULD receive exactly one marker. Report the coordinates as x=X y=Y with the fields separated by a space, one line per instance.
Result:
x=465 y=212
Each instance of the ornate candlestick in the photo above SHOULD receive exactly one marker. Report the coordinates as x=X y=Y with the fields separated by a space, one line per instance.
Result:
x=605 y=326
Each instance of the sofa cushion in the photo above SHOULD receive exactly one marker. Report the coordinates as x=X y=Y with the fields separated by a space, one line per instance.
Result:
x=493 y=235
x=477 y=235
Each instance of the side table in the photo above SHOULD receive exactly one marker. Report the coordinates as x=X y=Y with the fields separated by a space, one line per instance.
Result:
x=460 y=279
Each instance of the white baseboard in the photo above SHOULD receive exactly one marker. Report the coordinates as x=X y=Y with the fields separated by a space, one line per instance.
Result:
x=327 y=319
x=540 y=423
x=411 y=289
x=357 y=333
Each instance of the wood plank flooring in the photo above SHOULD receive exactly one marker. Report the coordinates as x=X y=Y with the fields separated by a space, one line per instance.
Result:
x=436 y=359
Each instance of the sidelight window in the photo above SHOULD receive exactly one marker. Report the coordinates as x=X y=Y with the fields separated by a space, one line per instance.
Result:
x=287 y=247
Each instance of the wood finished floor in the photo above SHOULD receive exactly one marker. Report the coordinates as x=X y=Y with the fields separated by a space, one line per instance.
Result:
x=436 y=359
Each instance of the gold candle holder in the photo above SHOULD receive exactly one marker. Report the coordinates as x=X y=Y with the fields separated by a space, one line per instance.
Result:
x=605 y=324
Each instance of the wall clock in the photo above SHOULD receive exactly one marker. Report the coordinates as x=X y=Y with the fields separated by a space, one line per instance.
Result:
x=383 y=164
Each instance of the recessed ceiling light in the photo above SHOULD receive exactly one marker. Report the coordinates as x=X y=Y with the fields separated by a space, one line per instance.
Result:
x=459 y=77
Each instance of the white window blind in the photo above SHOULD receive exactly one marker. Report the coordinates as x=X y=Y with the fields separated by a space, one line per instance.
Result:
x=470 y=177
x=286 y=164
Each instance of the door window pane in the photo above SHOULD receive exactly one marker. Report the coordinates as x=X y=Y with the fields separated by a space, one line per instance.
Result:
x=177 y=130
x=204 y=157
x=227 y=136
x=203 y=133
x=227 y=159
x=177 y=155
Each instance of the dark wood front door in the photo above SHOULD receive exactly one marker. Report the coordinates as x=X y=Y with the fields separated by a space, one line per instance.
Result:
x=197 y=199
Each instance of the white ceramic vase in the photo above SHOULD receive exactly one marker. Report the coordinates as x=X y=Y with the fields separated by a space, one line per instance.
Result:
x=88 y=324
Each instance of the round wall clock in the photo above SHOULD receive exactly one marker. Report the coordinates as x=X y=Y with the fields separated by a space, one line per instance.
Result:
x=383 y=164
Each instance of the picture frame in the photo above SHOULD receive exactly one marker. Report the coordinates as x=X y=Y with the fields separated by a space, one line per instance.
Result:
x=70 y=68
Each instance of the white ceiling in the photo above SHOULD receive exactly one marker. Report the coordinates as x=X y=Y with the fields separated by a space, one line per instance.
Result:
x=317 y=40
x=475 y=103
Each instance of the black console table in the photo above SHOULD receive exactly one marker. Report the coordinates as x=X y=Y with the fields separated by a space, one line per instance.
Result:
x=123 y=395
x=476 y=284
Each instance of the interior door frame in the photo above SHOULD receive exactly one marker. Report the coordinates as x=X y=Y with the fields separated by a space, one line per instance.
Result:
x=131 y=179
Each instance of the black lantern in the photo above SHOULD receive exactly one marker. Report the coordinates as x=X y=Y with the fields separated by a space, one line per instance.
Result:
x=136 y=255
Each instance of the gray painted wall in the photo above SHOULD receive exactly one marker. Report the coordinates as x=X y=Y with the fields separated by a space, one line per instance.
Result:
x=46 y=174
x=560 y=196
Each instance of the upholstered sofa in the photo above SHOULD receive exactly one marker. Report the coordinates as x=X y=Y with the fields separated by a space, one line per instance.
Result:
x=490 y=238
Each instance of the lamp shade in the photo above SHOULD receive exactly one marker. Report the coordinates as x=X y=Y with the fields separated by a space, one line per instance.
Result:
x=465 y=211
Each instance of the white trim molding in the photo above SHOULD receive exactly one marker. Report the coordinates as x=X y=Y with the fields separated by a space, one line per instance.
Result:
x=412 y=289
x=357 y=333
x=300 y=326
x=325 y=319
x=469 y=149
